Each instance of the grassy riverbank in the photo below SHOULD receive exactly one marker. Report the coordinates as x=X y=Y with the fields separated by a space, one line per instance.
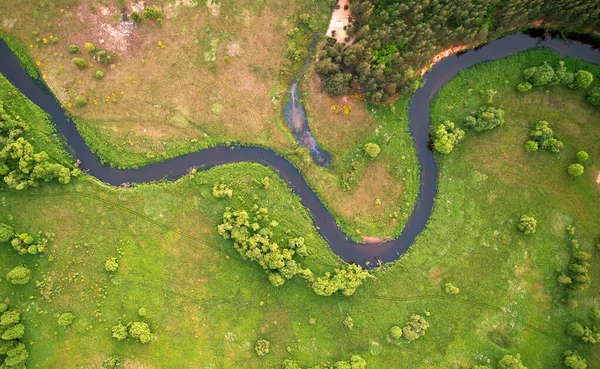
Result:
x=207 y=306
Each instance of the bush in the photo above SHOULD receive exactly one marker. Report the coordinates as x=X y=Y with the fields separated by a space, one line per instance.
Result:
x=19 y=275
x=575 y=170
x=524 y=87
x=120 y=331
x=486 y=118
x=89 y=46
x=395 y=332
x=527 y=224
x=13 y=332
x=111 y=265
x=415 y=328
x=531 y=146
x=582 y=156
x=73 y=49
x=542 y=75
x=544 y=136
x=99 y=74
x=451 y=289
x=349 y=322
x=593 y=97
x=148 y=13
x=6 y=233
x=583 y=80
x=372 y=149
x=81 y=100
x=79 y=62
x=262 y=347
x=114 y=361
x=141 y=332
x=135 y=16
x=574 y=361
x=66 y=319
x=142 y=312
x=446 y=136
x=575 y=329
x=511 y=362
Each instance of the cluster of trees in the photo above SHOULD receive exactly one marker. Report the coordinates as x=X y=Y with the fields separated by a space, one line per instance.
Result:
x=507 y=362
x=148 y=13
x=577 y=169
x=585 y=333
x=577 y=277
x=20 y=166
x=542 y=136
x=389 y=41
x=254 y=239
x=138 y=330
x=24 y=243
x=445 y=136
x=12 y=349
x=415 y=328
x=355 y=362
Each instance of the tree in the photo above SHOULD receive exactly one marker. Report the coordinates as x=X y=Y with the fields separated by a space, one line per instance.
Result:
x=111 y=264
x=13 y=332
x=445 y=136
x=6 y=233
x=582 y=156
x=574 y=361
x=141 y=332
x=451 y=289
x=543 y=75
x=10 y=317
x=511 y=362
x=575 y=170
x=81 y=100
x=593 y=97
x=485 y=119
x=79 y=62
x=564 y=279
x=73 y=49
x=19 y=275
x=527 y=224
x=575 y=329
x=66 y=319
x=531 y=146
x=89 y=46
x=395 y=332
x=135 y=16
x=524 y=87
x=338 y=84
x=99 y=74
x=583 y=80
x=415 y=328
x=262 y=347
x=372 y=149
x=142 y=312
x=120 y=331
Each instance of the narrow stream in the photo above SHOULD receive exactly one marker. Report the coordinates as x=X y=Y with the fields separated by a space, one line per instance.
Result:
x=349 y=251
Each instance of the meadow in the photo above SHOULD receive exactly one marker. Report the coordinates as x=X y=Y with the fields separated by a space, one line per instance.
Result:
x=207 y=306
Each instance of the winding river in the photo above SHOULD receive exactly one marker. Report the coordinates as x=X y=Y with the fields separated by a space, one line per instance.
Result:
x=364 y=254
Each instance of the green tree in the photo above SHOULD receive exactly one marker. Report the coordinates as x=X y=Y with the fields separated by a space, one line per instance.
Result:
x=135 y=16
x=593 y=97
x=575 y=329
x=141 y=332
x=120 y=331
x=524 y=87
x=6 y=233
x=543 y=75
x=73 y=49
x=582 y=156
x=415 y=328
x=79 y=62
x=99 y=74
x=13 y=332
x=583 y=80
x=574 y=361
x=531 y=146
x=10 y=317
x=111 y=264
x=451 y=289
x=575 y=170
x=262 y=347
x=89 y=46
x=446 y=136
x=511 y=362
x=372 y=149
x=485 y=119
x=66 y=319
x=81 y=100
x=527 y=224
x=395 y=332
x=19 y=275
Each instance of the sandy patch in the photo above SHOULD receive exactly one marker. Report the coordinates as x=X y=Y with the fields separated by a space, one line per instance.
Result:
x=444 y=54
x=214 y=8
x=9 y=22
x=370 y=239
x=339 y=20
x=234 y=49
x=598 y=178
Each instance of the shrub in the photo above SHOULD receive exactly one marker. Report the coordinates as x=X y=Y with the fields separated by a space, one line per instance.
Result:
x=446 y=136
x=531 y=146
x=574 y=361
x=575 y=170
x=99 y=74
x=542 y=75
x=553 y=145
x=66 y=319
x=564 y=279
x=595 y=313
x=575 y=329
x=6 y=233
x=349 y=322
x=141 y=332
x=583 y=80
x=593 y=97
x=511 y=362
x=415 y=328
x=142 y=312
x=13 y=332
x=290 y=364
x=524 y=87
x=19 y=275
x=135 y=16
x=527 y=224
x=262 y=347
x=111 y=265
x=114 y=361
x=485 y=119
x=582 y=156
x=346 y=280
x=89 y=46
x=372 y=149
x=120 y=332
x=79 y=62
x=451 y=289
x=395 y=332
x=221 y=190
x=81 y=100
x=73 y=49
x=544 y=136
x=4 y=307
x=529 y=72
x=499 y=337
x=148 y=13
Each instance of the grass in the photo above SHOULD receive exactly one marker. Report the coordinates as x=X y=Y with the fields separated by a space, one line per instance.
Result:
x=204 y=301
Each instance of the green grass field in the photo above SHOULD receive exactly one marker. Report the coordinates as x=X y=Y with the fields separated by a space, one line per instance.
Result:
x=207 y=306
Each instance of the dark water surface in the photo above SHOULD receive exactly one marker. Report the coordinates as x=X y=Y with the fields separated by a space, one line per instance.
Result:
x=349 y=251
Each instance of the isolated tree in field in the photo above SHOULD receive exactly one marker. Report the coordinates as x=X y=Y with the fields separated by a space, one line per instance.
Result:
x=451 y=289
x=574 y=361
x=485 y=119
x=511 y=362
x=445 y=136
x=111 y=264
x=575 y=170
x=66 y=319
x=262 y=347
x=582 y=156
x=19 y=275
x=527 y=224
x=415 y=328
x=372 y=149
x=6 y=233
